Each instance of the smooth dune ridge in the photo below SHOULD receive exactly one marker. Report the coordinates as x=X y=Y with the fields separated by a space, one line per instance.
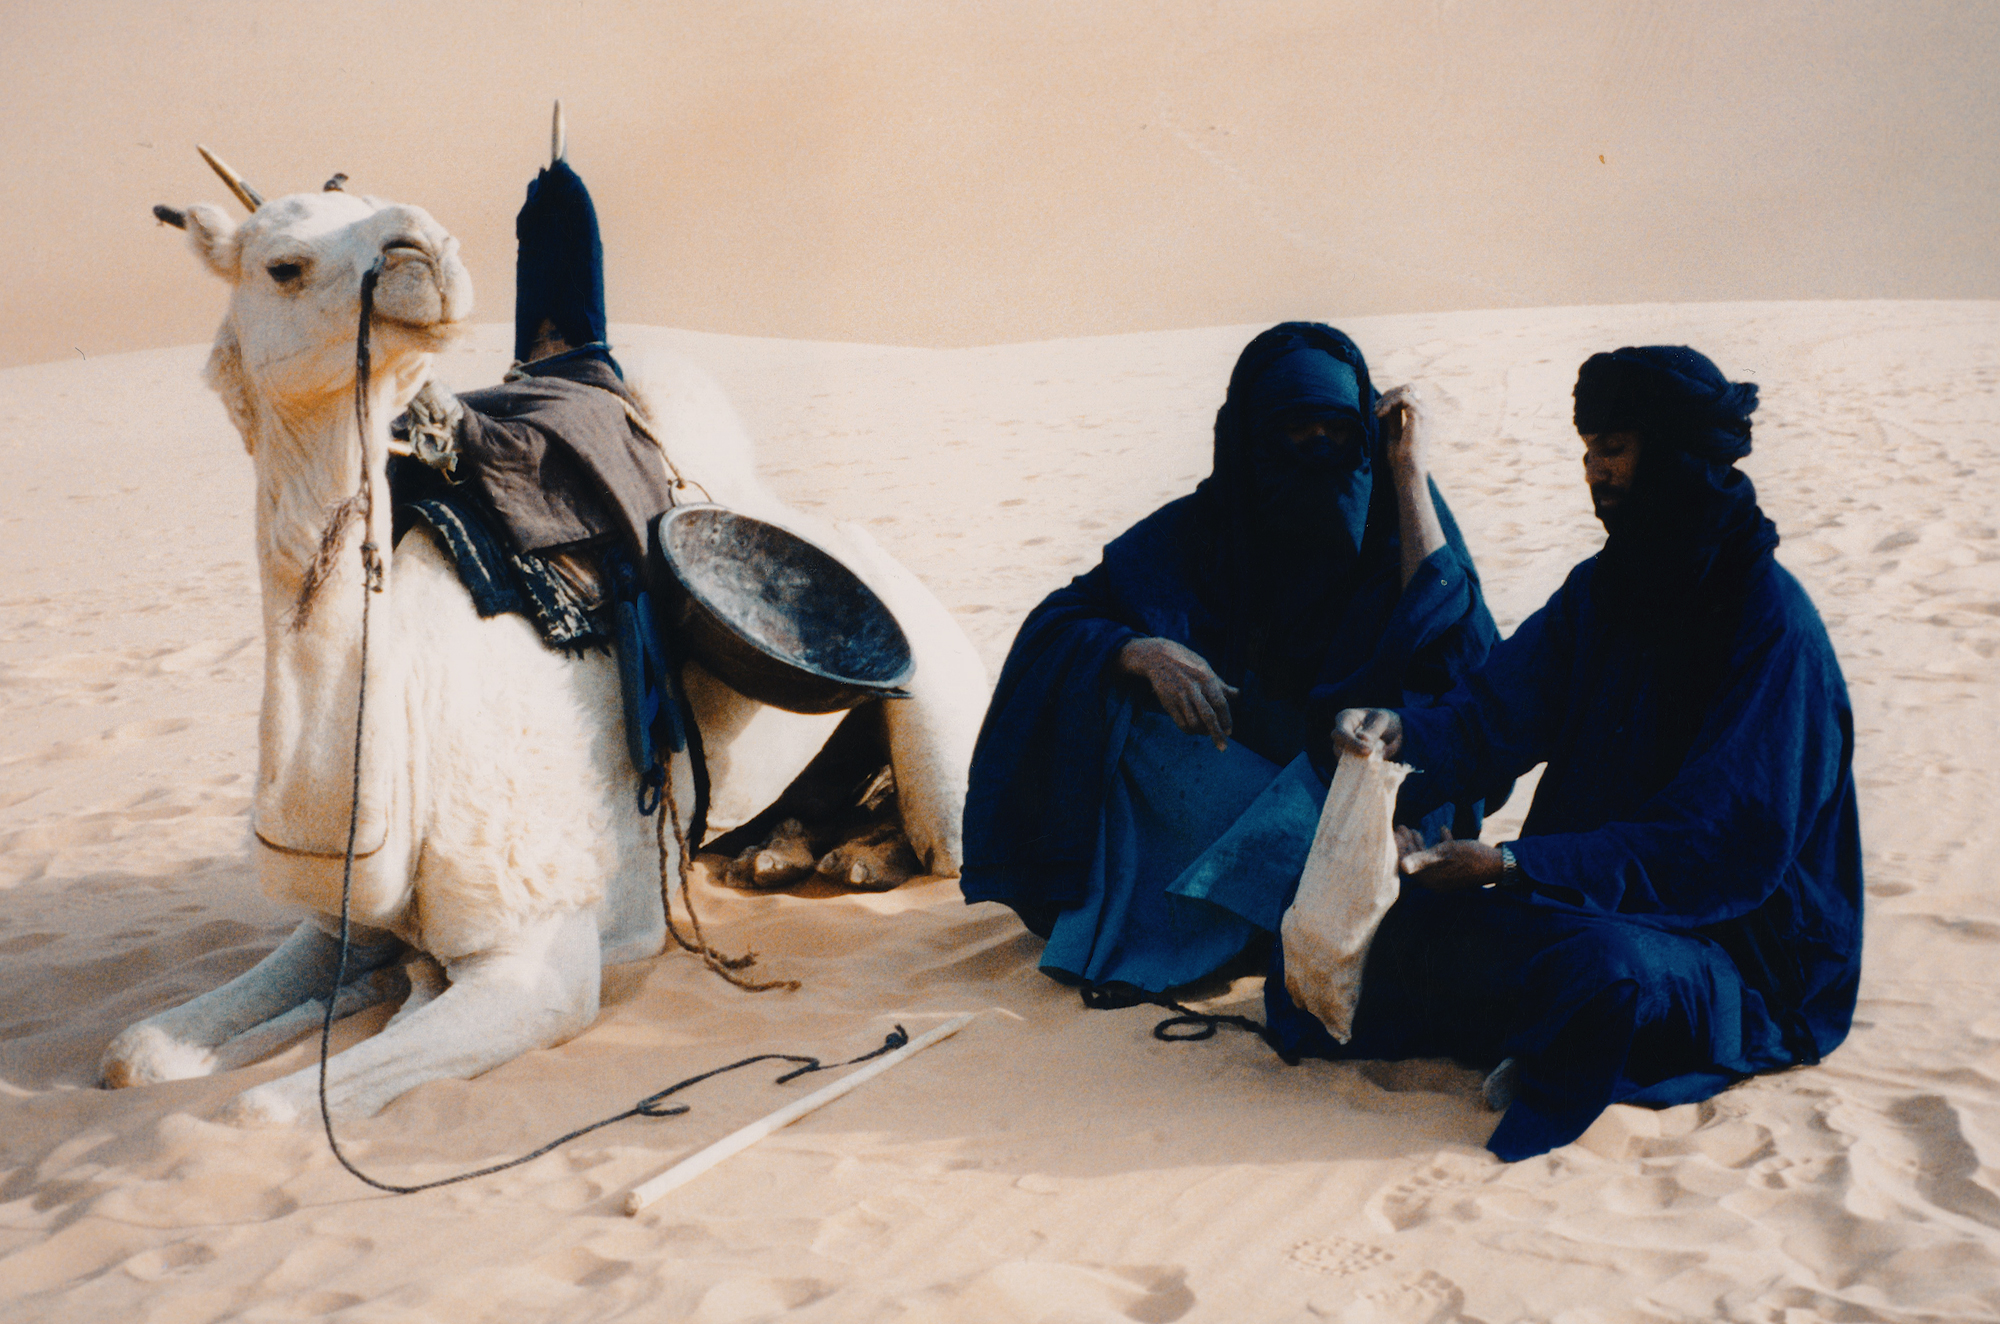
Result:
x=1048 y=1162
x=915 y=173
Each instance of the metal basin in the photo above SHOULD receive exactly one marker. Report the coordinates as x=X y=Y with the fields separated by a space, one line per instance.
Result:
x=774 y=617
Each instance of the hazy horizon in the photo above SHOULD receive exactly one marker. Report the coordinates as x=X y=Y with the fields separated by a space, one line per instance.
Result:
x=915 y=174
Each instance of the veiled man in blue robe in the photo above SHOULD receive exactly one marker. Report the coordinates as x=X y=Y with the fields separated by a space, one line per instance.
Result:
x=1683 y=906
x=1141 y=792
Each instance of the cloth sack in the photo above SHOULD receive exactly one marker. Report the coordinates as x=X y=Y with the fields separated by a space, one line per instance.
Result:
x=1349 y=883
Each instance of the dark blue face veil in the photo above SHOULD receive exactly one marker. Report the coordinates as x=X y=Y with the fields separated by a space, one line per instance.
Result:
x=1280 y=529
x=559 y=266
x=1310 y=491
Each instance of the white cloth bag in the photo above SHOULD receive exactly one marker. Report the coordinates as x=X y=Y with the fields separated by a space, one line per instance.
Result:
x=1349 y=883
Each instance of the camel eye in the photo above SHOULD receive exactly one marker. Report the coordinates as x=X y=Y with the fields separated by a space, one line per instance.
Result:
x=285 y=272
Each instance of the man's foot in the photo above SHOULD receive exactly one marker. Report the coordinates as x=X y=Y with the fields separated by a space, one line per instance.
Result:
x=1499 y=1086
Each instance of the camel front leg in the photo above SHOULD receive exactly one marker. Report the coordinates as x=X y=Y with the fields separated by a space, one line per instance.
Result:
x=534 y=991
x=182 y=1043
x=931 y=734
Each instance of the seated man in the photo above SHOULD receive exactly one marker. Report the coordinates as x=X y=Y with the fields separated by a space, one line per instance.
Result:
x=1683 y=907
x=1147 y=709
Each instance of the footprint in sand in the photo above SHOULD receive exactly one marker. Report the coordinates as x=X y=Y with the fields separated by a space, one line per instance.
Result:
x=1444 y=1182
x=1899 y=539
x=1338 y=1256
x=314 y=1260
x=1947 y=1164
x=581 y=1267
x=209 y=654
x=150 y=729
x=28 y=942
x=319 y=1305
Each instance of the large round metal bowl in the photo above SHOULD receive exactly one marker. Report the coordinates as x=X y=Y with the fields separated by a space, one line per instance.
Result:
x=777 y=619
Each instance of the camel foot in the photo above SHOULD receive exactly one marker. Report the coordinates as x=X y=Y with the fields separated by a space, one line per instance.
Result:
x=148 y=1055
x=785 y=859
x=876 y=863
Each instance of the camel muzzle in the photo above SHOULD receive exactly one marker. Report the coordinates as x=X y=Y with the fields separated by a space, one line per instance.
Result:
x=423 y=283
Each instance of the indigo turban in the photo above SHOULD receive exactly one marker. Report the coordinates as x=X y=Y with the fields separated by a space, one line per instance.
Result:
x=1669 y=393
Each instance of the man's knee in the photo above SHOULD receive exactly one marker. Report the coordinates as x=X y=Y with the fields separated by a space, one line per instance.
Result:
x=1600 y=956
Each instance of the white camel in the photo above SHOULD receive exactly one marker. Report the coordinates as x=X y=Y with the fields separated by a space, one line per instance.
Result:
x=497 y=832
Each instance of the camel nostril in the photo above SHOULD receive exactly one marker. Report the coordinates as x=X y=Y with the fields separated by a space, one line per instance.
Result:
x=406 y=249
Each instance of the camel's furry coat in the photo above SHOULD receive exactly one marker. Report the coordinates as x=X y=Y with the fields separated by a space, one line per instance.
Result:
x=497 y=833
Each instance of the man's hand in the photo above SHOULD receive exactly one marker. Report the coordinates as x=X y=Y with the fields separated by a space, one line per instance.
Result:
x=1363 y=731
x=1449 y=866
x=1186 y=686
x=1406 y=427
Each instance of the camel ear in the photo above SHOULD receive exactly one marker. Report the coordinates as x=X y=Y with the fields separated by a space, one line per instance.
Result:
x=212 y=235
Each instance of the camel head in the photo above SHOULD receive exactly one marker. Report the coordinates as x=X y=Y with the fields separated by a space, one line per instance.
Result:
x=296 y=269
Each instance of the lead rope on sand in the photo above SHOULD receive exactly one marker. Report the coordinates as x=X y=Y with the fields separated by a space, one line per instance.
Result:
x=362 y=505
x=1187 y=1025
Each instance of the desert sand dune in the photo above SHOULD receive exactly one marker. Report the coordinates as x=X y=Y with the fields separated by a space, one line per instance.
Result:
x=969 y=174
x=1049 y=1162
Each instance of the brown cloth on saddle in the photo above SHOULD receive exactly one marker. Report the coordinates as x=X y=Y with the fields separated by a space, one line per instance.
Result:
x=557 y=460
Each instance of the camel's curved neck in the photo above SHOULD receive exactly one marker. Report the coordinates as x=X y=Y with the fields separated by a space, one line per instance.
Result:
x=310 y=460
x=310 y=464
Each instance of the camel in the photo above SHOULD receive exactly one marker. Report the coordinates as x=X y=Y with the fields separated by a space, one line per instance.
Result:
x=498 y=850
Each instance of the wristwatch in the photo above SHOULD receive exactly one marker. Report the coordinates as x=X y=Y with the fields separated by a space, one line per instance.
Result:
x=1511 y=877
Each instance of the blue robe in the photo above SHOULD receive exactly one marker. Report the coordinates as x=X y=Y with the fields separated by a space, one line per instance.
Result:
x=1693 y=852
x=1094 y=818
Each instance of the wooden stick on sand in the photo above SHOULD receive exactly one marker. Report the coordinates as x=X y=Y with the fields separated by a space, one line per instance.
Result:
x=695 y=1164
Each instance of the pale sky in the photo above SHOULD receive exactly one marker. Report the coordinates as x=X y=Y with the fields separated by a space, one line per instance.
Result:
x=930 y=173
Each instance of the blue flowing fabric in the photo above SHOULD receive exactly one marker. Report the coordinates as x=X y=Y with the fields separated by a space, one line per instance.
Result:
x=1693 y=853
x=1168 y=797
x=1087 y=807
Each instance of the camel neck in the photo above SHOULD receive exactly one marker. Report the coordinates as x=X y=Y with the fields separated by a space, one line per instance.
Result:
x=309 y=486
x=308 y=465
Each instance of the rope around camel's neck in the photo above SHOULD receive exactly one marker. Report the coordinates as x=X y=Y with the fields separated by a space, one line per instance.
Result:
x=361 y=504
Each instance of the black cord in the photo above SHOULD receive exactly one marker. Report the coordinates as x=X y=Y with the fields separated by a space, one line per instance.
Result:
x=650 y=1106
x=1187 y=1025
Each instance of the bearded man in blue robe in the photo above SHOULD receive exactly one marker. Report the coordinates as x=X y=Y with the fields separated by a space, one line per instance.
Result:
x=1682 y=908
x=1142 y=792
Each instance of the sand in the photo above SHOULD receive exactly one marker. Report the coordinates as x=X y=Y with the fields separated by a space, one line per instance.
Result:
x=1048 y=1163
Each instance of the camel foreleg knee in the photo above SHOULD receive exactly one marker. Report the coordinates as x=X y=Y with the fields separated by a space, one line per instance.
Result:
x=182 y=1042
x=534 y=991
x=931 y=734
